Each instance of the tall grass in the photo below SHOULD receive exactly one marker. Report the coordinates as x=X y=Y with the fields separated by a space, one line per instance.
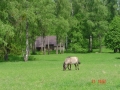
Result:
x=45 y=72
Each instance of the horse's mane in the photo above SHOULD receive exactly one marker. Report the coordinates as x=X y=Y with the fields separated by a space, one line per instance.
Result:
x=68 y=56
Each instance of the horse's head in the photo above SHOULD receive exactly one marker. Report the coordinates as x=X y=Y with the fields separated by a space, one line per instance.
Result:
x=64 y=66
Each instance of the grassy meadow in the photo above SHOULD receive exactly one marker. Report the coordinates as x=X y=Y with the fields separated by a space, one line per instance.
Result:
x=45 y=72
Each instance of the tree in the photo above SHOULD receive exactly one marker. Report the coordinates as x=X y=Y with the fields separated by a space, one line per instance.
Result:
x=61 y=31
x=112 y=38
x=101 y=23
x=112 y=9
x=6 y=34
x=44 y=11
x=6 y=29
x=77 y=19
x=95 y=22
x=75 y=37
x=63 y=12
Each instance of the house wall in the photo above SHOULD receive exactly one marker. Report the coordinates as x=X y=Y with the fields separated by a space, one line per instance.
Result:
x=52 y=43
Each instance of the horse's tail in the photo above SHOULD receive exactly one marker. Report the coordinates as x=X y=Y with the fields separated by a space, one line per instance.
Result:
x=79 y=62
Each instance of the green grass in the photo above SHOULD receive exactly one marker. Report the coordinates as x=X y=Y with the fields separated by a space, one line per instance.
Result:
x=45 y=72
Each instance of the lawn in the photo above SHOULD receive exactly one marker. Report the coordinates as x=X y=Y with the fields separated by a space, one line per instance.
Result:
x=98 y=71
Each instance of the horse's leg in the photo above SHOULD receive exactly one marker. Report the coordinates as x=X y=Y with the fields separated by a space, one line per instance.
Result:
x=75 y=66
x=78 y=66
x=70 y=66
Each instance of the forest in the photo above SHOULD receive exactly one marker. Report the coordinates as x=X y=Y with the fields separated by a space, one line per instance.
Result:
x=81 y=25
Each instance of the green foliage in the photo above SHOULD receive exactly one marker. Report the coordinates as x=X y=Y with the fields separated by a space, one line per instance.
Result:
x=62 y=13
x=112 y=8
x=112 y=38
x=6 y=34
x=97 y=23
x=61 y=29
x=75 y=19
x=76 y=40
x=63 y=8
x=44 y=11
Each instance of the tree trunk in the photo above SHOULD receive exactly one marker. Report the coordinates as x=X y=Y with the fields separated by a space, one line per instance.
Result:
x=60 y=48
x=57 y=49
x=33 y=48
x=27 y=44
x=119 y=50
x=5 y=54
x=100 y=43
x=48 y=46
x=63 y=49
x=66 y=44
x=115 y=50
x=90 y=43
x=56 y=45
x=44 y=46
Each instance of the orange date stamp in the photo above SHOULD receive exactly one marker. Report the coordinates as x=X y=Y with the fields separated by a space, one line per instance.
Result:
x=101 y=81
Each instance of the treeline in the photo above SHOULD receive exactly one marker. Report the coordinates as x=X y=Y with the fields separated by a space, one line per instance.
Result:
x=81 y=24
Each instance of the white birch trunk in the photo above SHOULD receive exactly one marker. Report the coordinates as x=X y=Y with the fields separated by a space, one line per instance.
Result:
x=27 y=44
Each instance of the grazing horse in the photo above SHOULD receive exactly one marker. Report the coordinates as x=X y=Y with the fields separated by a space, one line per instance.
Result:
x=71 y=60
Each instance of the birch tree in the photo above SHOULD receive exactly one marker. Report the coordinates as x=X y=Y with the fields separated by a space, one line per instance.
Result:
x=63 y=12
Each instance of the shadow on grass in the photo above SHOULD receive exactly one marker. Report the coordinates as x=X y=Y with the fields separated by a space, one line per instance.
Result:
x=118 y=86
x=17 y=58
x=12 y=59
x=117 y=57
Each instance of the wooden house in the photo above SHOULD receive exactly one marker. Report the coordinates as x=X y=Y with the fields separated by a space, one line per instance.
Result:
x=48 y=40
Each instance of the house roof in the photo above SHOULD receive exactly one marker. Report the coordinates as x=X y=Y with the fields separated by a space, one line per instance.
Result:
x=39 y=41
